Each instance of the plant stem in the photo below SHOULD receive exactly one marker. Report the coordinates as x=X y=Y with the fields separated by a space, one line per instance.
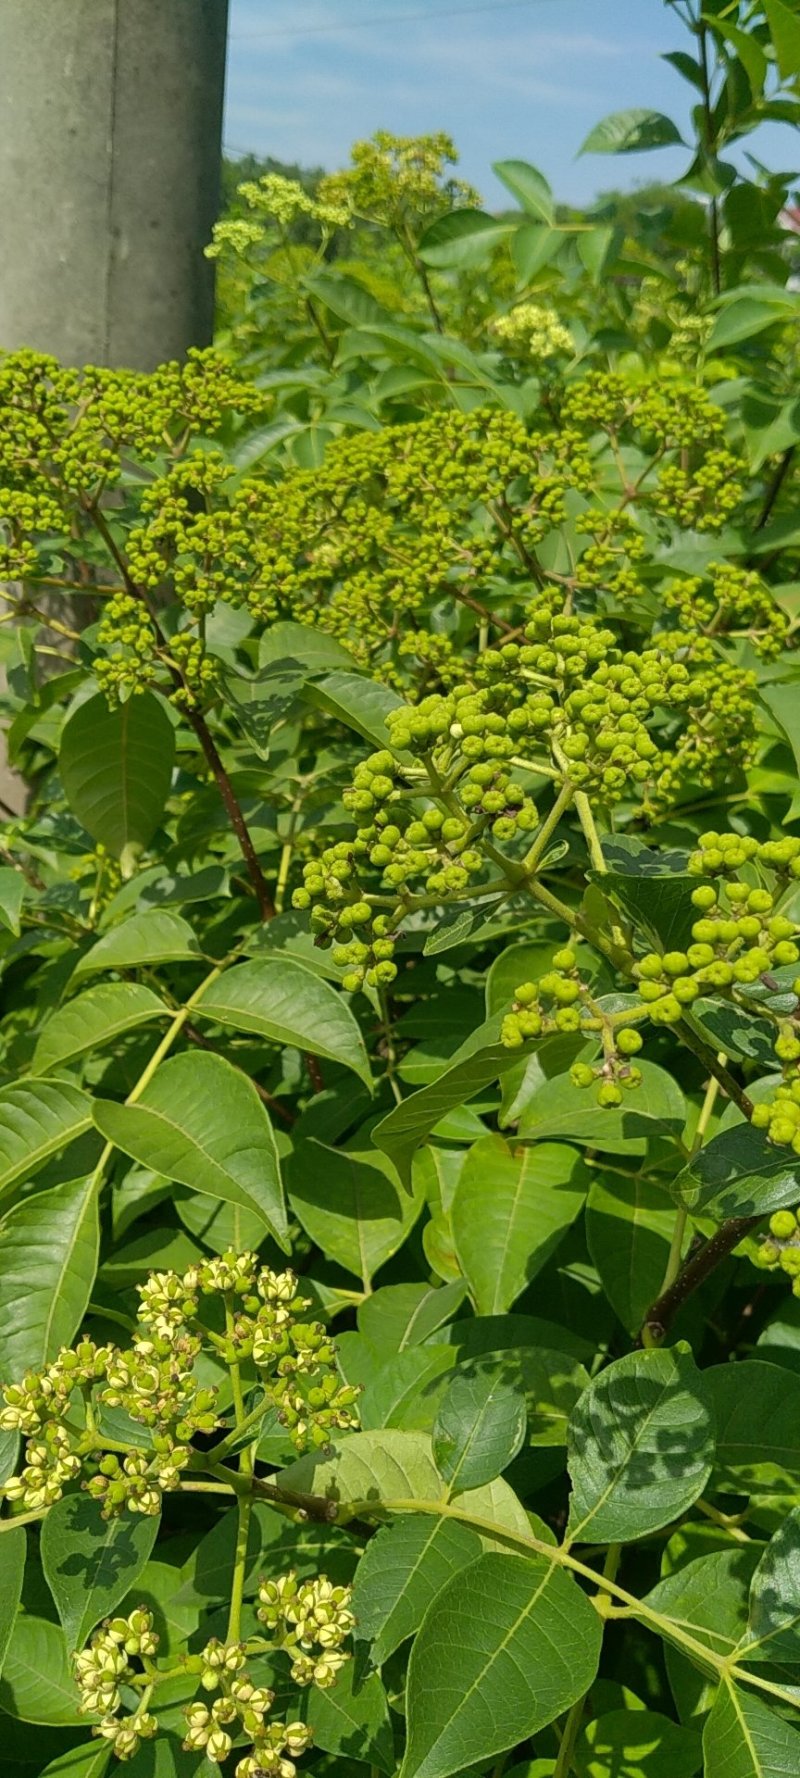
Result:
x=583 y=809
x=569 y=1736
x=708 y=145
x=233 y=810
x=198 y=722
x=548 y=828
x=244 y=1507
x=694 y=1273
x=682 y=1214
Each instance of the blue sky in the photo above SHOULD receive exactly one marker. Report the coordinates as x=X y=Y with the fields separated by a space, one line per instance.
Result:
x=527 y=79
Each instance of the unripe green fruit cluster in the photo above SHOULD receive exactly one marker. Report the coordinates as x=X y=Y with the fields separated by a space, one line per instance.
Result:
x=560 y=1002
x=732 y=946
x=780 y=1248
x=719 y=853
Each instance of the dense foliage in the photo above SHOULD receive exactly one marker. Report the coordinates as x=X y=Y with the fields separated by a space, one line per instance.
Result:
x=400 y=1035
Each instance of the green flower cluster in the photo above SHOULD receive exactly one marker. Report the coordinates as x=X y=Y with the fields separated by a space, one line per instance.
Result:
x=67 y=435
x=154 y=1382
x=105 y=1667
x=533 y=330
x=310 y=1620
x=397 y=181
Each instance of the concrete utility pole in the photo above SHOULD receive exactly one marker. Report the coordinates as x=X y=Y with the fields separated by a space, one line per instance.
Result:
x=110 y=133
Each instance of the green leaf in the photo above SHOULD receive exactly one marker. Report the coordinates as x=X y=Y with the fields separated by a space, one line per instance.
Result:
x=48 y=1259
x=747 y=316
x=142 y=940
x=277 y=998
x=12 y=1574
x=12 y=891
x=707 y=1597
x=757 y=1410
x=743 y=1738
x=773 y=1629
x=297 y=644
x=784 y=29
x=200 y=1121
x=90 y=1563
x=353 y=1719
x=533 y=246
x=749 y=52
x=462 y=238
x=407 y=1389
x=509 y=1643
x=385 y=1465
x=115 y=765
x=629 y=132
x=361 y=704
x=552 y=1381
x=93 y=1019
x=637 y=1744
x=629 y=1226
x=782 y=704
x=509 y=1213
x=37 y=1118
x=560 y=1110
x=594 y=246
x=656 y=898
x=480 y=1426
x=89 y=1760
x=641 y=1446
x=401 y=1572
x=37 y=1683
x=346 y=298
x=480 y=1060
x=727 y=1027
x=738 y=1173
x=528 y=186
x=348 y=1202
x=400 y=1317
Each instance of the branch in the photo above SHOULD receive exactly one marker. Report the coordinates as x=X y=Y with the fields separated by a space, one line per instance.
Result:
x=713 y=1065
x=198 y=723
x=663 y=1311
x=233 y=811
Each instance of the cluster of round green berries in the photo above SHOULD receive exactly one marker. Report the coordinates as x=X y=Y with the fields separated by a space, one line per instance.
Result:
x=561 y=1001
x=557 y=1002
x=729 y=600
x=717 y=854
x=154 y=1382
x=781 y=1245
x=779 y=1117
x=567 y=691
x=105 y=1667
x=733 y=945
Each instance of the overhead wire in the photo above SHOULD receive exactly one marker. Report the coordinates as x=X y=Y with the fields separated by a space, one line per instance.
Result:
x=397 y=18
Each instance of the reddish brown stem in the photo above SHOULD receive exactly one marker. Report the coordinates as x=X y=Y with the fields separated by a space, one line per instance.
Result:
x=662 y=1313
x=234 y=813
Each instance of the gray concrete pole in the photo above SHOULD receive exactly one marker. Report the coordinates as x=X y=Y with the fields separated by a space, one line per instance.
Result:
x=110 y=132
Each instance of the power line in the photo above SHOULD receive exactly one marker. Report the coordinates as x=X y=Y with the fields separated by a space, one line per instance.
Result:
x=398 y=18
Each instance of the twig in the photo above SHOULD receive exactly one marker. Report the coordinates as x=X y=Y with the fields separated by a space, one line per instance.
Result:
x=694 y=1273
